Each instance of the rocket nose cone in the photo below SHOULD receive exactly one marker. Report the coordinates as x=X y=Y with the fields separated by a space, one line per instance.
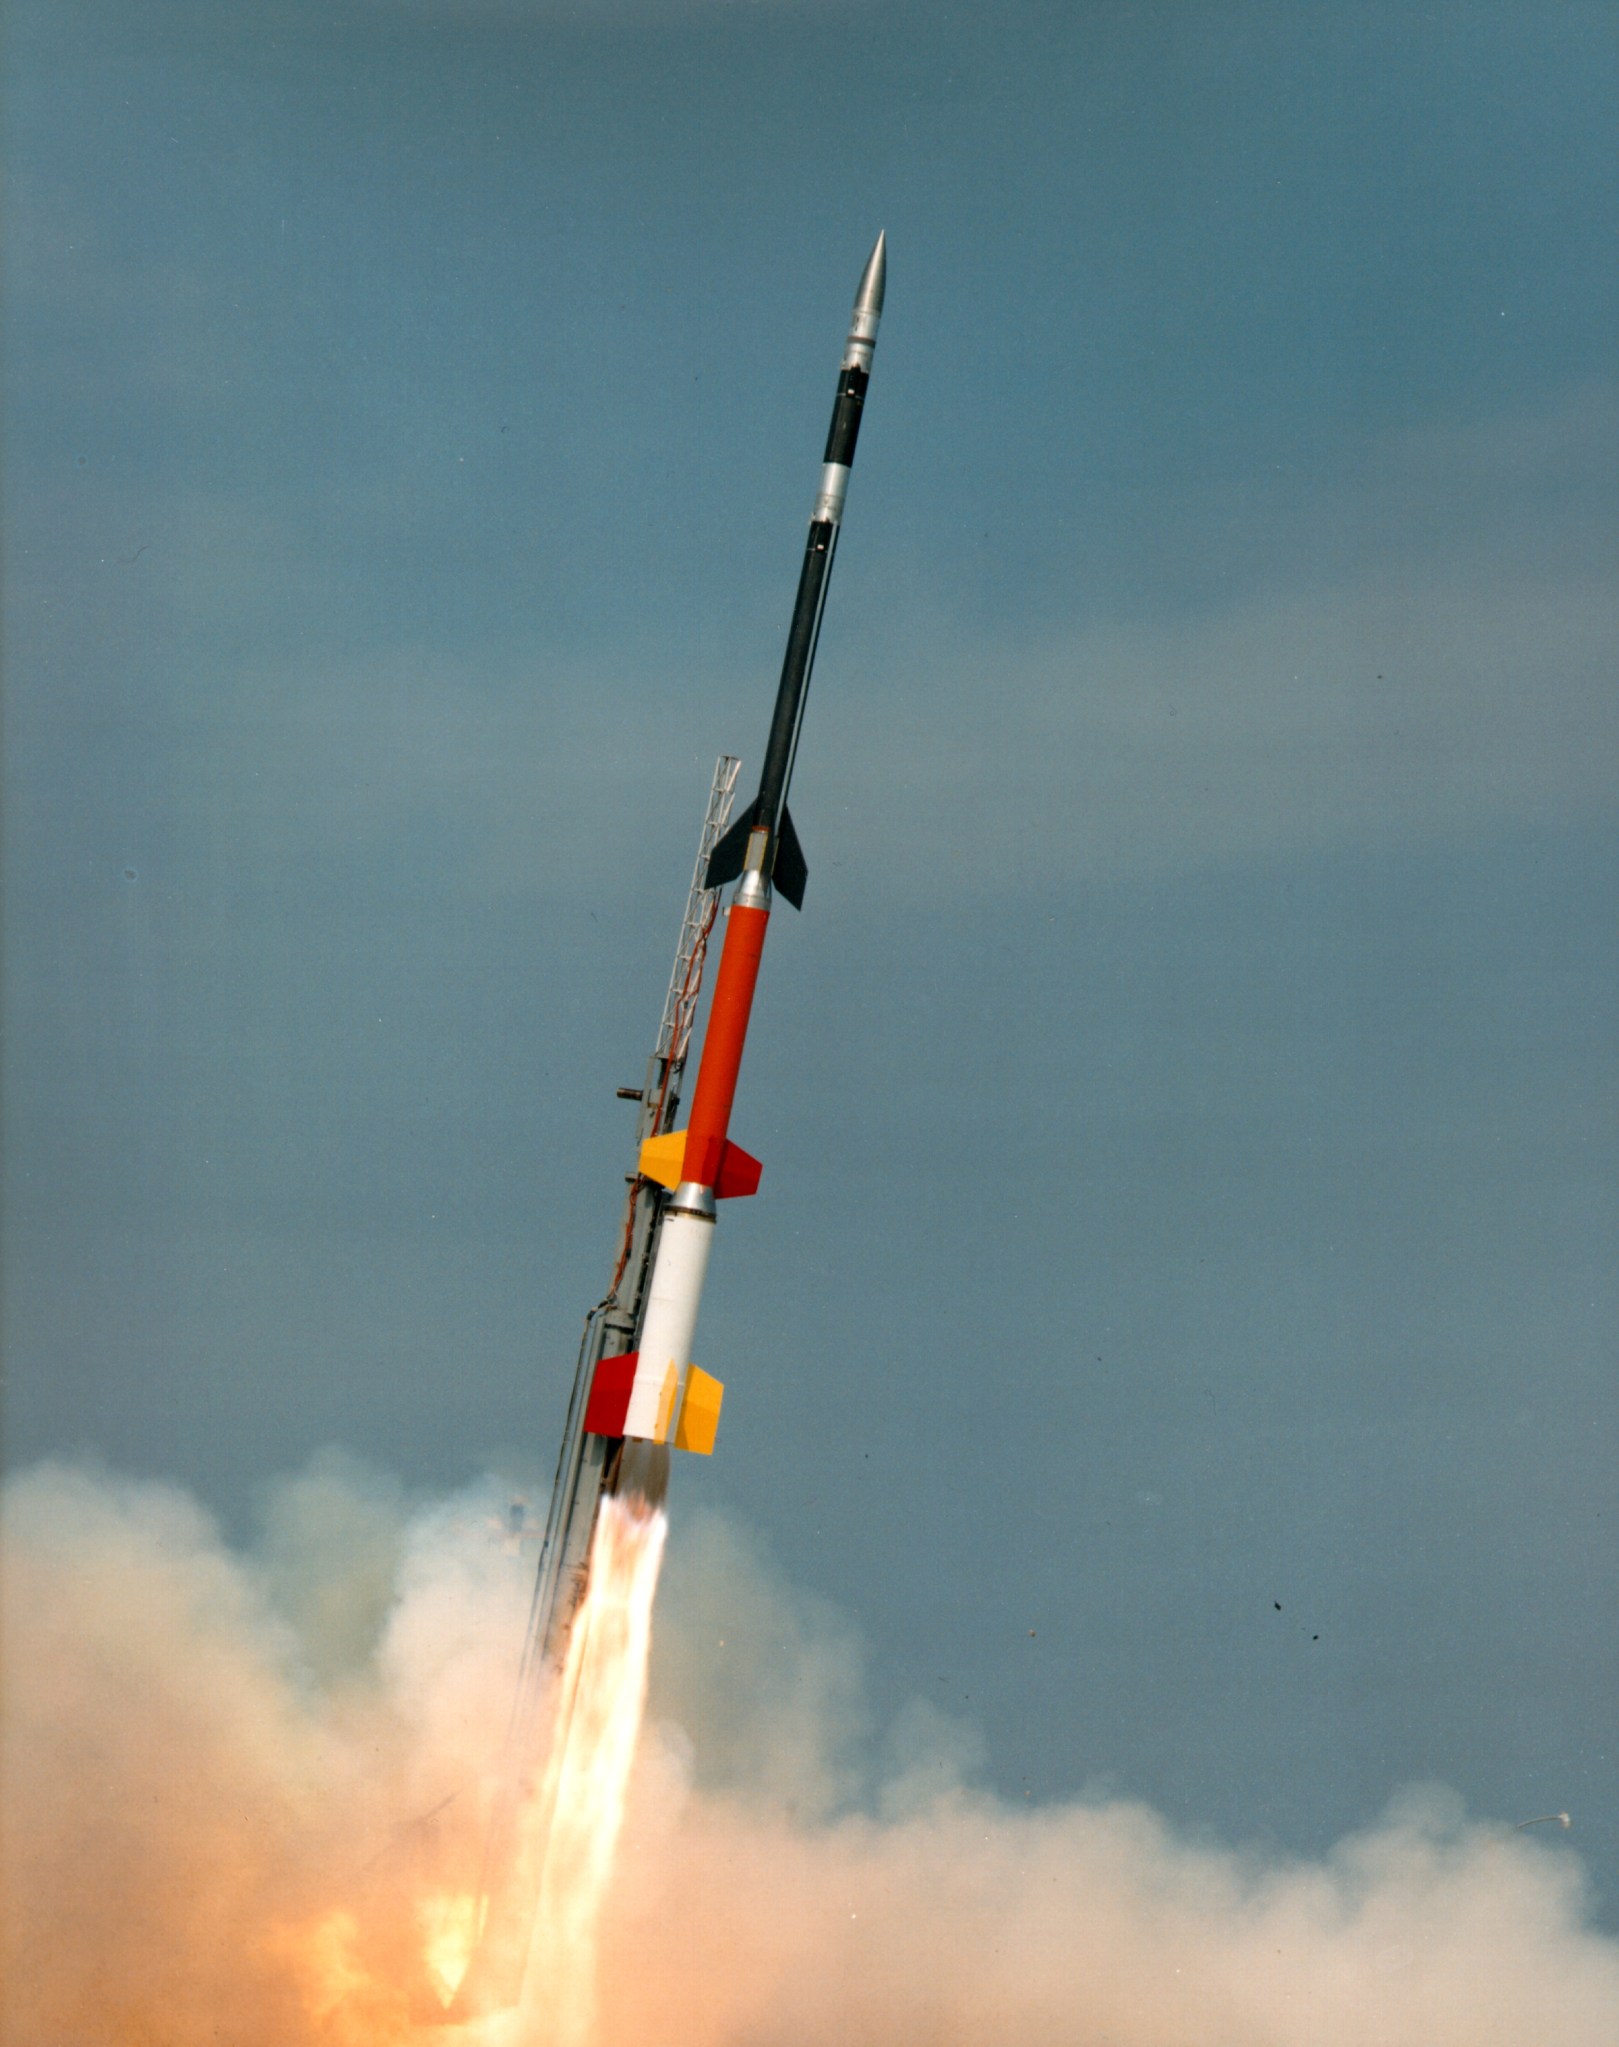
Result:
x=869 y=298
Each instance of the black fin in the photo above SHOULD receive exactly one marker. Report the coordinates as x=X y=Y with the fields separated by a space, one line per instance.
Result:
x=791 y=874
x=725 y=862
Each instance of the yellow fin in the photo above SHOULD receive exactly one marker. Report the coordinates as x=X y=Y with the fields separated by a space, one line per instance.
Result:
x=699 y=1412
x=663 y=1157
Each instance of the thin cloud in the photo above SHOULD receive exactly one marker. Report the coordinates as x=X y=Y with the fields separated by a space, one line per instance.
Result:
x=1420 y=648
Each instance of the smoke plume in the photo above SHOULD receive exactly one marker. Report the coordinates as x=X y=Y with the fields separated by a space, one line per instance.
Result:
x=244 y=1794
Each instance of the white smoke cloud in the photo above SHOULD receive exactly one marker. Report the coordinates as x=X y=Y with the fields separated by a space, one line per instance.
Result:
x=331 y=1548
x=233 y=1781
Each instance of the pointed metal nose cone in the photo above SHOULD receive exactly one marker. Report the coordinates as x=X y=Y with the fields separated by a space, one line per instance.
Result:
x=869 y=298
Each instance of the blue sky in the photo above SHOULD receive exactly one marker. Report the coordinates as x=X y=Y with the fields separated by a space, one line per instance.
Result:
x=1187 y=1099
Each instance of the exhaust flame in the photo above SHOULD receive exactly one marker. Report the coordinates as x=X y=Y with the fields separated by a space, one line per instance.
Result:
x=450 y=1933
x=603 y=1697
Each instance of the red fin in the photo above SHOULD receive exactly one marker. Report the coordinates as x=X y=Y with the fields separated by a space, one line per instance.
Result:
x=739 y=1173
x=610 y=1395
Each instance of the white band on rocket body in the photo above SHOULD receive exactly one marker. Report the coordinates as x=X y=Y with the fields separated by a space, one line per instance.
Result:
x=674 y=1295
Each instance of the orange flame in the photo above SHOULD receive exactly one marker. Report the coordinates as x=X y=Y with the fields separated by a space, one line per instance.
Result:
x=352 y=1990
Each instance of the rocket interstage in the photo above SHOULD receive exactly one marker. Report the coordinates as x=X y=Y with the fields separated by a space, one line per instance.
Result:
x=655 y=1393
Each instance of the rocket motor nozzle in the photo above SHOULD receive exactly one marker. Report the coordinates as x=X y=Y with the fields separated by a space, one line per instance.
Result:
x=640 y=1470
